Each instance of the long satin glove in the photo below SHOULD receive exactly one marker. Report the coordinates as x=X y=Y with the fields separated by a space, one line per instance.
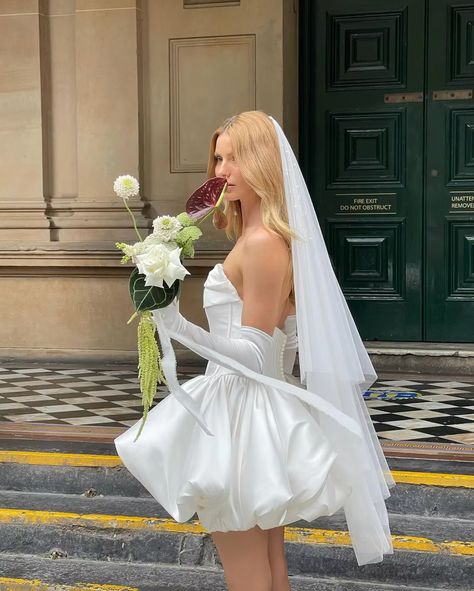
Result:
x=250 y=349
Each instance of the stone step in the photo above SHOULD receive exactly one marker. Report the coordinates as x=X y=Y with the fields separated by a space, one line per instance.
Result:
x=424 y=493
x=432 y=526
x=106 y=537
x=422 y=357
x=32 y=573
x=87 y=510
x=420 y=499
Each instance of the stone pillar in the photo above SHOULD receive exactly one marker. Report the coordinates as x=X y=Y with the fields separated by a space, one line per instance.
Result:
x=22 y=206
x=96 y=94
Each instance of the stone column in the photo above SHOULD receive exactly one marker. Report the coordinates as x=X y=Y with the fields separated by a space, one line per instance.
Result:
x=96 y=92
x=22 y=206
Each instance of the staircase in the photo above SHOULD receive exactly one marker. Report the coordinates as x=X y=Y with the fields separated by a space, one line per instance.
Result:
x=73 y=520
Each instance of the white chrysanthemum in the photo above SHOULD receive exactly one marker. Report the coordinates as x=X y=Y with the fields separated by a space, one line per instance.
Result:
x=126 y=186
x=159 y=263
x=166 y=227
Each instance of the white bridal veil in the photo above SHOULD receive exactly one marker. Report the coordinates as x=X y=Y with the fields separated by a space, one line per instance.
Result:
x=335 y=365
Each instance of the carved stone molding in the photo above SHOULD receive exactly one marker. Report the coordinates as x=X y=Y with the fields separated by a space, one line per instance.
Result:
x=20 y=258
x=23 y=220
x=106 y=220
x=199 y=67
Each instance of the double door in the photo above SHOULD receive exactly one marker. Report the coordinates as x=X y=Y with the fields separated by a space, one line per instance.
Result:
x=388 y=153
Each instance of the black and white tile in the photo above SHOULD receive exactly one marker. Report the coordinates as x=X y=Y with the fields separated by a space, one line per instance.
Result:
x=111 y=397
x=444 y=412
x=71 y=396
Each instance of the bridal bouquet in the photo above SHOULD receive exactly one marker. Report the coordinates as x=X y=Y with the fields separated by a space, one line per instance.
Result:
x=156 y=279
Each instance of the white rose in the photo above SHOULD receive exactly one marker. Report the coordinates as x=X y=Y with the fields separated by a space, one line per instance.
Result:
x=159 y=263
x=166 y=227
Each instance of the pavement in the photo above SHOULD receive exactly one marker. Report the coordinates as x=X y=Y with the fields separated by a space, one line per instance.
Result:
x=109 y=395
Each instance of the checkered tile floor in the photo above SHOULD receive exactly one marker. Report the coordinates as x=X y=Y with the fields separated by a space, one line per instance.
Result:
x=112 y=398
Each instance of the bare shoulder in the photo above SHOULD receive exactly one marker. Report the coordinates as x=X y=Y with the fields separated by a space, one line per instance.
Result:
x=262 y=242
x=265 y=252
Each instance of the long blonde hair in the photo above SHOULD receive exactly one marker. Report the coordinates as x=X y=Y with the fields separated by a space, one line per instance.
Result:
x=257 y=153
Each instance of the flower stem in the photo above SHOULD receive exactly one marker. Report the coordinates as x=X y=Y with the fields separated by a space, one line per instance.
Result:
x=206 y=216
x=132 y=317
x=133 y=219
x=221 y=196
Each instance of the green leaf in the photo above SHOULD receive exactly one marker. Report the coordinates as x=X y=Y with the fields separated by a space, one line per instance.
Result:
x=188 y=233
x=185 y=219
x=188 y=249
x=151 y=298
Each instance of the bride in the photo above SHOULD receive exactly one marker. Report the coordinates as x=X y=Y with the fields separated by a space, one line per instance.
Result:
x=277 y=449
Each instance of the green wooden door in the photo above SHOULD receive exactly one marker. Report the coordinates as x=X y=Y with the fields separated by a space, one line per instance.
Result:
x=389 y=157
x=365 y=167
x=449 y=269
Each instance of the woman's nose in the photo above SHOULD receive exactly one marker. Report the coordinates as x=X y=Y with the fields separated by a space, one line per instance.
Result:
x=222 y=171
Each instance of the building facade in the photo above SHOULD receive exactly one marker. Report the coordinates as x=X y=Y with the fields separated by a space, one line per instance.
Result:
x=91 y=89
x=377 y=97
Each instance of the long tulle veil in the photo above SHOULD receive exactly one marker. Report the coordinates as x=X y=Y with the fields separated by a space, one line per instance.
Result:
x=335 y=365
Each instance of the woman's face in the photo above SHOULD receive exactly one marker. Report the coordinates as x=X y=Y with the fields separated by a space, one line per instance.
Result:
x=226 y=167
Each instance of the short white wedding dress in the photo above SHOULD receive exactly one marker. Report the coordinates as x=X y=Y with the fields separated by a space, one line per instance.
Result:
x=268 y=463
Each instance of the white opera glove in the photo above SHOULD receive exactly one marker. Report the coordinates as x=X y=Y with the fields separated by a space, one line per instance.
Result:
x=170 y=317
x=251 y=349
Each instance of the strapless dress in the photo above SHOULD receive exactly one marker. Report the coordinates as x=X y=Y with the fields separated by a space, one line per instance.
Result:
x=268 y=463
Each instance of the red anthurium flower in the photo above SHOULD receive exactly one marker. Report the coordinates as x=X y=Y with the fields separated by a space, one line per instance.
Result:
x=206 y=197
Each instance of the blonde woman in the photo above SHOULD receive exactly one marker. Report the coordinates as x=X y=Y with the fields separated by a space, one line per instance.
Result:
x=279 y=449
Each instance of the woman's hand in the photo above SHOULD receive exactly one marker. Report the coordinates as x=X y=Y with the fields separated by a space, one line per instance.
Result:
x=168 y=317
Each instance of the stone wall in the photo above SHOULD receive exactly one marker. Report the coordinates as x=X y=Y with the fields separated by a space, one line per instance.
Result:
x=90 y=89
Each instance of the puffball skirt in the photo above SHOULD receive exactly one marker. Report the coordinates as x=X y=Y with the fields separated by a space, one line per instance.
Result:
x=268 y=463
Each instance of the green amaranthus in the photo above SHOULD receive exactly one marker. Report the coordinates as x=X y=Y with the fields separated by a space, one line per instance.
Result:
x=149 y=366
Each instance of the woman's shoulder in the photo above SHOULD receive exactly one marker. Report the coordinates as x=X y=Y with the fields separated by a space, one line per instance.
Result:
x=266 y=253
x=264 y=238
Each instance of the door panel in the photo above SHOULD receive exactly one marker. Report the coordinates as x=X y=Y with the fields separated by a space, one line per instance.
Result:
x=449 y=304
x=364 y=163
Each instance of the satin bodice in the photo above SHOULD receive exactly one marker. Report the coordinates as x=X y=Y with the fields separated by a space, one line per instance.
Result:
x=223 y=308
